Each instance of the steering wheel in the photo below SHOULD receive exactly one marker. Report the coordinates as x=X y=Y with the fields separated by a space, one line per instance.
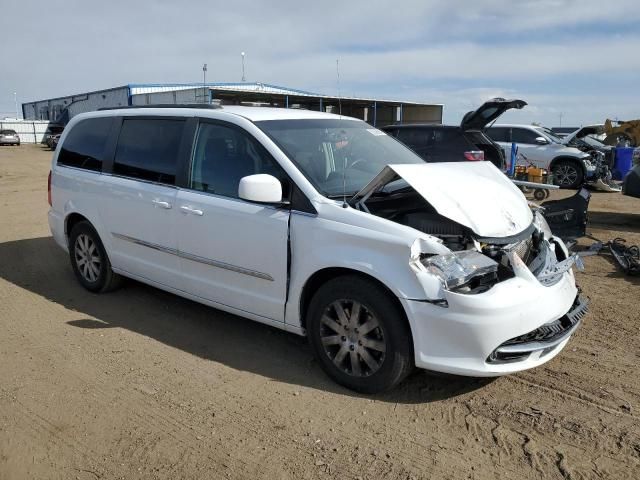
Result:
x=356 y=162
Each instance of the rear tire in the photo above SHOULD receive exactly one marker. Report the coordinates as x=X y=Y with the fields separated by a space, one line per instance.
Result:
x=89 y=260
x=568 y=174
x=359 y=335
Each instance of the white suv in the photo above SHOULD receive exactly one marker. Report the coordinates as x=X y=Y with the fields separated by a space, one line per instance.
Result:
x=541 y=148
x=320 y=225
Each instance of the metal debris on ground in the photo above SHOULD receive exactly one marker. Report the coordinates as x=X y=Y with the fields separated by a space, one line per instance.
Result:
x=628 y=257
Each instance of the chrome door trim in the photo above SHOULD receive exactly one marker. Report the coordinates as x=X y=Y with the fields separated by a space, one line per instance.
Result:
x=195 y=258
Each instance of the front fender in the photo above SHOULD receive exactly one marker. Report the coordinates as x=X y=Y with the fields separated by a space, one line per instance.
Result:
x=318 y=244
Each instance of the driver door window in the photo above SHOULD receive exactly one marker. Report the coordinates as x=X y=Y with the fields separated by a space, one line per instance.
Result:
x=223 y=155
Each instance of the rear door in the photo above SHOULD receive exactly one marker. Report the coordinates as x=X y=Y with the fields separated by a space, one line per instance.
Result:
x=139 y=205
x=233 y=252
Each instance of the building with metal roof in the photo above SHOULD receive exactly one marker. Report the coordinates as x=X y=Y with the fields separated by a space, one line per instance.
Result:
x=375 y=111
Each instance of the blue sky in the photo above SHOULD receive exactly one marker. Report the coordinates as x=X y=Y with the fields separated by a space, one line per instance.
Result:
x=578 y=59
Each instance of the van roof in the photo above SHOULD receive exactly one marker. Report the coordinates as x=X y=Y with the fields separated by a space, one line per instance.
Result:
x=251 y=113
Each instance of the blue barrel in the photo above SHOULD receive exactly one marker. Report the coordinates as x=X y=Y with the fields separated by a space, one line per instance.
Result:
x=623 y=162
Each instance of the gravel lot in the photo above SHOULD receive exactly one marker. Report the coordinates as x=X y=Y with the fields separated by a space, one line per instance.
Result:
x=142 y=384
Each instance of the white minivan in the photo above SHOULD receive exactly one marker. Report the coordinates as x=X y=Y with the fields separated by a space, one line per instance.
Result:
x=320 y=225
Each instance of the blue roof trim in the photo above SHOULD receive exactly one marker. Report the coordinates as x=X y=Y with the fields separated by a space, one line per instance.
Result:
x=221 y=84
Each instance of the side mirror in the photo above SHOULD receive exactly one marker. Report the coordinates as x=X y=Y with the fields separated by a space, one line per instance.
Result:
x=261 y=188
x=541 y=141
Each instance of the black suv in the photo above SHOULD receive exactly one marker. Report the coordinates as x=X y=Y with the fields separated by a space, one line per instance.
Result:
x=449 y=143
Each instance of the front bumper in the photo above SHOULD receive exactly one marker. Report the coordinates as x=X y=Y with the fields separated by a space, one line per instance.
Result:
x=462 y=337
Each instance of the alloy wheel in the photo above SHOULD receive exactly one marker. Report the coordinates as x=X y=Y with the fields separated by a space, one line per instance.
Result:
x=566 y=174
x=87 y=258
x=352 y=338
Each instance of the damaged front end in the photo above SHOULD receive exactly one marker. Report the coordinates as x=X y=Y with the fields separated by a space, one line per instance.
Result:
x=484 y=221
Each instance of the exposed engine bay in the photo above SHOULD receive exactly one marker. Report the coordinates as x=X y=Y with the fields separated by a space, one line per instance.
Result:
x=534 y=248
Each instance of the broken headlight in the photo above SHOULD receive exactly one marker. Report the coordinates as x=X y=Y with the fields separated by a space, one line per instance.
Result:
x=460 y=268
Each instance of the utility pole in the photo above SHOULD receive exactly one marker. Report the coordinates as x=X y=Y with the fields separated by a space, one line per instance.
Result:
x=560 y=120
x=15 y=99
x=242 y=55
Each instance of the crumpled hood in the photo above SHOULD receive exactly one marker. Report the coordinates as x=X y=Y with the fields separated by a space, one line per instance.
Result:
x=474 y=194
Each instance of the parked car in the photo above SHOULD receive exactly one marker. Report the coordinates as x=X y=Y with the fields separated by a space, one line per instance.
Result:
x=543 y=149
x=447 y=143
x=320 y=225
x=52 y=141
x=9 y=137
x=52 y=135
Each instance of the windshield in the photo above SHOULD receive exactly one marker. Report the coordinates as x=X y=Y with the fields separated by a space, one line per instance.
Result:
x=332 y=151
x=592 y=141
x=549 y=134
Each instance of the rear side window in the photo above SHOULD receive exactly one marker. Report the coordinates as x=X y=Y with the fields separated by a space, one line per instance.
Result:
x=499 y=134
x=85 y=144
x=148 y=149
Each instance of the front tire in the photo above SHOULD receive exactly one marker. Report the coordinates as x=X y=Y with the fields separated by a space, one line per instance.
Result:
x=359 y=335
x=567 y=174
x=89 y=259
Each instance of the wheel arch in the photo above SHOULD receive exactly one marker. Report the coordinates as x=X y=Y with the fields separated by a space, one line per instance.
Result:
x=322 y=276
x=567 y=158
x=73 y=219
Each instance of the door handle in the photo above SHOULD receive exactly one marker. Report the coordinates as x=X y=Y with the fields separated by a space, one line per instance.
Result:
x=191 y=210
x=161 y=204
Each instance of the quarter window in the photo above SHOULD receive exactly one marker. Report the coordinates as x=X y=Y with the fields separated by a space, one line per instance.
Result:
x=224 y=155
x=148 y=149
x=84 y=146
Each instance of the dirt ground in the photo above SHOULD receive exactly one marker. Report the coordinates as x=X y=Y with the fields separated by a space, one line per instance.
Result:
x=142 y=384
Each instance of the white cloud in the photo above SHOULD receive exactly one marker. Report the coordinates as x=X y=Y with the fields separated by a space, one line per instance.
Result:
x=385 y=49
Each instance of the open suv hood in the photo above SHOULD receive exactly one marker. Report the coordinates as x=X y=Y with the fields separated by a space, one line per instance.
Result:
x=474 y=194
x=583 y=132
x=488 y=112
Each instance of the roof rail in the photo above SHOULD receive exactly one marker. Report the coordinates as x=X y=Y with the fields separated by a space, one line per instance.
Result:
x=205 y=106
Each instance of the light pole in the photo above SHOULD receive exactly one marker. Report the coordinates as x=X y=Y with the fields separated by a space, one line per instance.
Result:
x=204 y=74
x=15 y=99
x=242 y=55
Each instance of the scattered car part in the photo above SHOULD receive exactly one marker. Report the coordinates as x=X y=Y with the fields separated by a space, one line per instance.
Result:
x=567 y=218
x=627 y=257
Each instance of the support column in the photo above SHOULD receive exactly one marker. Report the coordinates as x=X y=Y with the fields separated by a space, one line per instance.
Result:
x=375 y=113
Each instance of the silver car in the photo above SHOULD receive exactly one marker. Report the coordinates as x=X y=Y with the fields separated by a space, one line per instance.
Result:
x=9 y=137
